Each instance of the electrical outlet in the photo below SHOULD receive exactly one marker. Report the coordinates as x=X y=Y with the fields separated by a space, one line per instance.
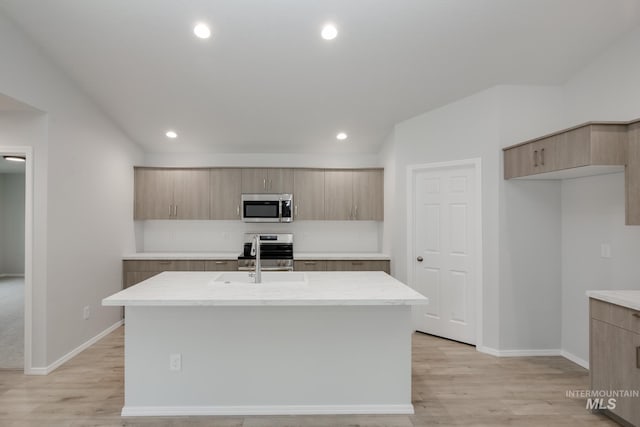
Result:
x=175 y=362
x=86 y=312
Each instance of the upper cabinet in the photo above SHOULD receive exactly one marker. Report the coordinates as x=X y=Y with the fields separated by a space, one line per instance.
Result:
x=267 y=180
x=354 y=194
x=226 y=190
x=588 y=145
x=171 y=193
x=632 y=176
x=590 y=149
x=308 y=194
x=215 y=193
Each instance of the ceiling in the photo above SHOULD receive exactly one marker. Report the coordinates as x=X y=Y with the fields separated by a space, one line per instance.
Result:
x=266 y=82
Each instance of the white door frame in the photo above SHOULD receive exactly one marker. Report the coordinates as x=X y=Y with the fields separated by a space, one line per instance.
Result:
x=27 y=152
x=412 y=170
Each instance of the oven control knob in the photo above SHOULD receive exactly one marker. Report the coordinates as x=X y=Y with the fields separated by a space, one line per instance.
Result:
x=253 y=263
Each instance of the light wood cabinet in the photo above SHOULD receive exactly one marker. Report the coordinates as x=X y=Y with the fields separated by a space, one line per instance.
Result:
x=354 y=194
x=308 y=194
x=595 y=144
x=226 y=191
x=267 y=180
x=368 y=195
x=309 y=265
x=135 y=271
x=614 y=355
x=632 y=176
x=221 y=265
x=359 y=265
x=161 y=193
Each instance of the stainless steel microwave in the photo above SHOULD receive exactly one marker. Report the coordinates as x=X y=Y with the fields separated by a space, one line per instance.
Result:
x=267 y=207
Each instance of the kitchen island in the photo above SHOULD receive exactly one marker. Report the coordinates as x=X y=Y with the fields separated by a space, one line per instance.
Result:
x=209 y=343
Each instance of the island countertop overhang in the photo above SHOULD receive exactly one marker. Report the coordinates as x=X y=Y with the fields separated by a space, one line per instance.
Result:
x=358 y=288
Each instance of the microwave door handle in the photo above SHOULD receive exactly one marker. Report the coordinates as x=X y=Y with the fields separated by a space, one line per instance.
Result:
x=280 y=210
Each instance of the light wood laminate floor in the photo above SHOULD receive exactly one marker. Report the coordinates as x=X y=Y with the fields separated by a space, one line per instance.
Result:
x=452 y=385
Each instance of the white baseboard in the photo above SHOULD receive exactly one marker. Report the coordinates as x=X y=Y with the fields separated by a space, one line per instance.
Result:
x=575 y=359
x=519 y=353
x=164 y=411
x=48 y=369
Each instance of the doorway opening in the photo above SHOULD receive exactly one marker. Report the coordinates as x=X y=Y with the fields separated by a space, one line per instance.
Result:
x=444 y=248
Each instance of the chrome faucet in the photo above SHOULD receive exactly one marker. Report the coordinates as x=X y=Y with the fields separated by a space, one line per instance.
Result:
x=255 y=250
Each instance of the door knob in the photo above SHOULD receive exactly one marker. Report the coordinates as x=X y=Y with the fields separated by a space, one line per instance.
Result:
x=420 y=259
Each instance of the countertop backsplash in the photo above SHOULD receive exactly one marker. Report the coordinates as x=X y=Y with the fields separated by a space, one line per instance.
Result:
x=222 y=236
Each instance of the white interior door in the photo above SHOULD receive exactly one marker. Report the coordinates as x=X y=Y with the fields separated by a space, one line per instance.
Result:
x=443 y=251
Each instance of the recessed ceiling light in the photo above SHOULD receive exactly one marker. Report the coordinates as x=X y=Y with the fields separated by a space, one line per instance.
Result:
x=329 y=32
x=341 y=136
x=171 y=134
x=202 y=31
x=15 y=158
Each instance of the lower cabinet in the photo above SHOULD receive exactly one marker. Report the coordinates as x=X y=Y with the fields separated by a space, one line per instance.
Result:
x=343 y=265
x=614 y=350
x=135 y=271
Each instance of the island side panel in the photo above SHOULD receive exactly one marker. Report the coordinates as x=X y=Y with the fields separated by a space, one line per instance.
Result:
x=253 y=360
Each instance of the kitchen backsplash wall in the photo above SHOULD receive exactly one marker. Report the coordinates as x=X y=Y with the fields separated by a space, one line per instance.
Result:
x=227 y=236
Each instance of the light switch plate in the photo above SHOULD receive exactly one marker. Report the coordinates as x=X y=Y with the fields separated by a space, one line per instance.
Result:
x=605 y=250
x=175 y=362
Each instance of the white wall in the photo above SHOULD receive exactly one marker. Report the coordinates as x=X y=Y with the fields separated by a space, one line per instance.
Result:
x=82 y=199
x=228 y=236
x=12 y=223
x=593 y=208
x=468 y=128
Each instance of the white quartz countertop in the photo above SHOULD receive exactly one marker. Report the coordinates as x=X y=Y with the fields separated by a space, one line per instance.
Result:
x=628 y=298
x=182 y=255
x=331 y=256
x=174 y=288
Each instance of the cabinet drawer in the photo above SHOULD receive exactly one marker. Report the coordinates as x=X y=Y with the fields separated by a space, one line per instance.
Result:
x=359 y=265
x=616 y=315
x=164 y=265
x=221 y=265
x=310 y=265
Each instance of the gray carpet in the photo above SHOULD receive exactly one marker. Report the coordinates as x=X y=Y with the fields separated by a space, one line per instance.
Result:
x=11 y=322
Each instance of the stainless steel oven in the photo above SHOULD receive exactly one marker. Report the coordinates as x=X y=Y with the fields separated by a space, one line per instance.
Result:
x=276 y=252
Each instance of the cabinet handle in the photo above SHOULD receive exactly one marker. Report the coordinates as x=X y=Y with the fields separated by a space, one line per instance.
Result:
x=164 y=262
x=270 y=184
x=356 y=263
x=638 y=357
x=310 y=263
x=295 y=211
x=535 y=158
x=238 y=210
x=170 y=211
x=636 y=315
x=542 y=157
x=176 y=211
x=351 y=213
x=264 y=184
x=221 y=262
x=355 y=215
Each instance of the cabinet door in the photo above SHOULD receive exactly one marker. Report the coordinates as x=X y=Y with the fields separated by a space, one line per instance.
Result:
x=368 y=195
x=280 y=180
x=545 y=153
x=338 y=194
x=518 y=161
x=310 y=265
x=614 y=365
x=226 y=189
x=308 y=194
x=153 y=193
x=191 y=193
x=134 y=277
x=575 y=150
x=221 y=265
x=255 y=180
